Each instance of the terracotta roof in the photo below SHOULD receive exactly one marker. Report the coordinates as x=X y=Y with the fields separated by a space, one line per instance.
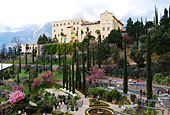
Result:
x=91 y=23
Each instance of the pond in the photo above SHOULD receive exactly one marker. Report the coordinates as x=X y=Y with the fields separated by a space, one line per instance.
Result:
x=99 y=111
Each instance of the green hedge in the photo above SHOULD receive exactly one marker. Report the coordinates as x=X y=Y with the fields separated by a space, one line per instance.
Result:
x=94 y=105
x=68 y=47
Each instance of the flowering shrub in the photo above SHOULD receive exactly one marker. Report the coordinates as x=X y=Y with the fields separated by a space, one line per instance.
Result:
x=96 y=74
x=19 y=87
x=129 y=40
x=16 y=96
x=47 y=76
x=37 y=82
x=94 y=44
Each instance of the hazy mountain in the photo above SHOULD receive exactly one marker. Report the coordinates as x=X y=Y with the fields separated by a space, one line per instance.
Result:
x=27 y=34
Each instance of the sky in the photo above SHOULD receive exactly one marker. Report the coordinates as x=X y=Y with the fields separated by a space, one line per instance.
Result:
x=18 y=13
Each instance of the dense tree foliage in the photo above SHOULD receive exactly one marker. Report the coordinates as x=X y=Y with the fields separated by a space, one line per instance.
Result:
x=115 y=37
x=43 y=39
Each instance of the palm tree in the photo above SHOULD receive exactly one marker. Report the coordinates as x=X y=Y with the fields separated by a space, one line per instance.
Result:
x=62 y=34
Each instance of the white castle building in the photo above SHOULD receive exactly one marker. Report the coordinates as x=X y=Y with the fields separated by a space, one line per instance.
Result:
x=76 y=28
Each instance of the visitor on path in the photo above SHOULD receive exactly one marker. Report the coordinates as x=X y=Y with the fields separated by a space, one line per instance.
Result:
x=141 y=93
x=98 y=97
x=137 y=80
x=56 y=104
x=59 y=105
x=168 y=91
x=67 y=107
x=158 y=91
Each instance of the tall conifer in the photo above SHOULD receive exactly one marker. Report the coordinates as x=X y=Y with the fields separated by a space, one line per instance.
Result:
x=148 y=69
x=125 y=81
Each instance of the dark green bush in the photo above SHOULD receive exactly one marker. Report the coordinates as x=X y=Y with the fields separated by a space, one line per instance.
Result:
x=97 y=102
x=114 y=95
x=56 y=112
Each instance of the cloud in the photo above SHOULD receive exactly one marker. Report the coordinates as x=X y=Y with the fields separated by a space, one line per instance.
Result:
x=16 y=13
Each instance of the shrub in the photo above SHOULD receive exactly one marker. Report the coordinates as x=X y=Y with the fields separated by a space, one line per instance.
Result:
x=100 y=92
x=93 y=100
x=97 y=102
x=114 y=95
x=56 y=112
x=92 y=91
x=106 y=95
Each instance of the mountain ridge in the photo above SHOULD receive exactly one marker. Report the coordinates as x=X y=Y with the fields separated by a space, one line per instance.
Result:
x=27 y=35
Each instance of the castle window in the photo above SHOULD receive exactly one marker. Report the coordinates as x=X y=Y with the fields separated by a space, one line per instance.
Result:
x=58 y=34
x=77 y=28
x=68 y=23
x=57 y=24
x=60 y=24
x=108 y=21
x=61 y=29
x=77 y=23
x=74 y=23
x=53 y=25
x=64 y=24
x=108 y=28
x=103 y=36
x=54 y=30
x=104 y=22
x=103 y=28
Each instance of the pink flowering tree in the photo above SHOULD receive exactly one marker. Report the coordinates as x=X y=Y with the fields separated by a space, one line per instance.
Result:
x=37 y=82
x=96 y=74
x=47 y=76
x=19 y=87
x=16 y=96
x=129 y=40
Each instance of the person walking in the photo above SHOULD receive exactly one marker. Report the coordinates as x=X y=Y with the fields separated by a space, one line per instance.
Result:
x=67 y=107
x=141 y=93
x=168 y=91
x=137 y=80
x=56 y=104
x=59 y=105
x=158 y=91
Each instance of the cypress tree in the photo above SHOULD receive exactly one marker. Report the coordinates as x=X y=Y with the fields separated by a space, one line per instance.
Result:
x=77 y=71
x=67 y=74
x=26 y=58
x=44 y=62
x=33 y=54
x=75 y=51
x=99 y=58
x=29 y=80
x=88 y=62
x=18 y=77
x=125 y=81
x=13 y=67
x=93 y=57
x=59 y=56
x=64 y=71
x=83 y=69
x=19 y=62
x=69 y=78
x=73 y=74
x=37 y=68
x=148 y=69
x=51 y=61
x=79 y=76
x=90 y=58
